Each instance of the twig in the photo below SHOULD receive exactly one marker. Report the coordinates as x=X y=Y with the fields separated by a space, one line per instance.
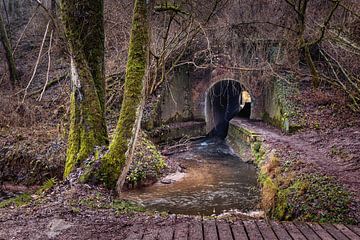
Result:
x=132 y=147
x=47 y=12
x=2 y=77
x=47 y=86
x=48 y=69
x=37 y=62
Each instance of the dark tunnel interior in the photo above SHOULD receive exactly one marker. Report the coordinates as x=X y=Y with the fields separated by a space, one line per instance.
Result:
x=245 y=110
x=223 y=103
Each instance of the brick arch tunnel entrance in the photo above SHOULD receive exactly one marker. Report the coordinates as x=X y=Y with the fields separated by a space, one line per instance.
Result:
x=225 y=100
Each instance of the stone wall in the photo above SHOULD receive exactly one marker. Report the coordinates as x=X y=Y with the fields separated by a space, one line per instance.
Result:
x=279 y=109
x=184 y=100
x=183 y=96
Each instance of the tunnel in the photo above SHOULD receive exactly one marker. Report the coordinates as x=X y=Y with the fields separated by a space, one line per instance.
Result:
x=224 y=101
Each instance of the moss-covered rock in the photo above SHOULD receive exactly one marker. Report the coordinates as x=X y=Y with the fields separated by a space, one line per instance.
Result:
x=147 y=167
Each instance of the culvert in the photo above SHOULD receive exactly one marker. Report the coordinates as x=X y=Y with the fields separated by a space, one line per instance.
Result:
x=225 y=100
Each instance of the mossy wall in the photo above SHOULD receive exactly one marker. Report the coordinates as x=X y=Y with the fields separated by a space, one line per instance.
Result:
x=287 y=194
x=169 y=115
x=279 y=109
x=244 y=142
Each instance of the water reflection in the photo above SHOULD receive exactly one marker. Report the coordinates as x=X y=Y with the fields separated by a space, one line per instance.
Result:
x=215 y=180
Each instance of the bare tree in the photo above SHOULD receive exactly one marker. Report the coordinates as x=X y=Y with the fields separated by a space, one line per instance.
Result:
x=300 y=7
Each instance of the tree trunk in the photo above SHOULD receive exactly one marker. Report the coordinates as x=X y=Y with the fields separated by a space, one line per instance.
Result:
x=9 y=53
x=310 y=62
x=126 y=131
x=53 y=7
x=84 y=30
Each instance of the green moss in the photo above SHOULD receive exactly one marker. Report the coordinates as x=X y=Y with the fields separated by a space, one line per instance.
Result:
x=147 y=165
x=285 y=111
x=258 y=152
x=268 y=192
x=313 y=198
x=122 y=206
x=114 y=161
x=85 y=33
x=98 y=202
x=18 y=201
x=281 y=208
x=85 y=36
x=262 y=177
x=73 y=140
x=308 y=197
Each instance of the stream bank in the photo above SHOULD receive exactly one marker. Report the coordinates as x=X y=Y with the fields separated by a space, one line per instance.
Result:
x=297 y=181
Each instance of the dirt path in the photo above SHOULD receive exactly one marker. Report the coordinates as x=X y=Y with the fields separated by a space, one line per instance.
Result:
x=335 y=152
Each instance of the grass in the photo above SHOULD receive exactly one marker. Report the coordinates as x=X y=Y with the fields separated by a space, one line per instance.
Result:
x=18 y=201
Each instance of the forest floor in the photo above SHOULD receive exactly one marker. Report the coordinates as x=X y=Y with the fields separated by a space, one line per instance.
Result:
x=72 y=211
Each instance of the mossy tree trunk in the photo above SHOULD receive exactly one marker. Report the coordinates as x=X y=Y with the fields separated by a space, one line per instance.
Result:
x=125 y=135
x=9 y=53
x=84 y=30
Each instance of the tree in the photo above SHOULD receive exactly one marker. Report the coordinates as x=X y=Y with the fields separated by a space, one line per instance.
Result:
x=9 y=52
x=118 y=159
x=300 y=7
x=84 y=30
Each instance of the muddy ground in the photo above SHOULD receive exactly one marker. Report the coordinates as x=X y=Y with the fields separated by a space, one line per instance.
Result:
x=83 y=212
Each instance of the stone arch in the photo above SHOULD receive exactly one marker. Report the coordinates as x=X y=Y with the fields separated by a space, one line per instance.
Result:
x=222 y=103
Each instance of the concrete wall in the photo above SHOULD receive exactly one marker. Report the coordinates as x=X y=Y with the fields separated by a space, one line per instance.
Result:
x=183 y=98
x=176 y=101
x=279 y=109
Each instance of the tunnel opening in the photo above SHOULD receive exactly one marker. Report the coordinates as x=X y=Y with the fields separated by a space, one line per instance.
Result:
x=225 y=100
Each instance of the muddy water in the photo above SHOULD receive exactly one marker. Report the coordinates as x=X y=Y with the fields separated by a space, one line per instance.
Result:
x=215 y=180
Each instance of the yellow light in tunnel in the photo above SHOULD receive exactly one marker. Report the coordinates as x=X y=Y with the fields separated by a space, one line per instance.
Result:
x=245 y=97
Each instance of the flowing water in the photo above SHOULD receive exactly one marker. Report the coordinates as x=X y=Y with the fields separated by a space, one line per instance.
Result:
x=215 y=180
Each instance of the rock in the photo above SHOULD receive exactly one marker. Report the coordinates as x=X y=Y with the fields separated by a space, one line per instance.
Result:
x=56 y=226
x=182 y=166
x=166 y=181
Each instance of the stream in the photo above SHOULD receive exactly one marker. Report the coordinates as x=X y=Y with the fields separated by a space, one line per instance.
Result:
x=215 y=181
